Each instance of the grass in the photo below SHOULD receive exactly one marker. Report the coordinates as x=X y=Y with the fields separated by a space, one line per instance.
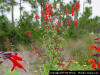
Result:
x=8 y=72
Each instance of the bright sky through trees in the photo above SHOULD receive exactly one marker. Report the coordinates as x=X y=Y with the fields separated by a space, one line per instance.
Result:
x=95 y=10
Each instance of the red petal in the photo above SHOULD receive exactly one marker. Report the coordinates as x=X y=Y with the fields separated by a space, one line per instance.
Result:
x=16 y=57
x=45 y=55
x=93 y=65
x=90 y=61
x=45 y=27
x=15 y=63
x=13 y=67
x=58 y=29
x=98 y=50
x=99 y=65
x=6 y=42
x=62 y=65
x=6 y=47
x=53 y=26
x=92 y=47
x=75 y=22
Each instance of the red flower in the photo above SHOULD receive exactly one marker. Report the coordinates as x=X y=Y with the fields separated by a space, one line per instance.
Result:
x=66 y=12
x=5 y=42
x=72 y=14
x=55 y=18
x=98 y=50
x=76 y=9
x=69 y=13
x=46 y=18
x=46 y=6
x=45 y=27
x=90 y=61
x=50 y=14
x=43 y=13
x=55 y=56
x=59 y=25
x=42 y=51
x=92 y=47
x=52 y=7
x=93 y=54
x=63 y=65
x=16 y=57
x=50 y=19
x=38 y=53
x=75 y=23
x=44 y=55
x=36 y=16
x=99 y=65
x=59 y=49
x=16 y=64
x=93 y=65
x=34 y=48
x=78 y=5
x=28 y=32
x=58 y=29
x=9 y=49
x=53 y=26
x=41 y=17
x=6 y=47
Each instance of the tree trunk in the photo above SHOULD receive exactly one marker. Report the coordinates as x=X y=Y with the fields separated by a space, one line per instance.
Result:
x=20 y=9
x=12 y=13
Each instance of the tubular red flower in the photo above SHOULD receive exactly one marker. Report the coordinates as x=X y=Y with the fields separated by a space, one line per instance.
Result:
x=92 y=47
x=78 y=5
x=44 y=55
x=6 y=42
x=66 y=12
x=93 y=54
x=59 y=49
x=36 y=16
x=42 y=51
x=38 y=53
x=16 y=57
x=50 y=14
x=75 y=23
x=9 y=49
x=59 y=25
x=90 y=61
x=55 y=56
x=53 y=26
x=45 y=27
x=16 y=64
x=63 y=65
x=6 y=47
x=93 y=65
x=50 y=19
x=98 y=49
x=34 y=48
x=98 y=65
x=58 y=29
x=72 y=14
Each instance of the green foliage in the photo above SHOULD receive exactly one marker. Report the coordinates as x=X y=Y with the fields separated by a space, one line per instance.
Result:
x=77 y=67
x=7 y=72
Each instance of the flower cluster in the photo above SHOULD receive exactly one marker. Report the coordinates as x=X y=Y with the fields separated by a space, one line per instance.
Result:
x=7 y=44
x=73 y=10
x=29 y=33
x=94 y=62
